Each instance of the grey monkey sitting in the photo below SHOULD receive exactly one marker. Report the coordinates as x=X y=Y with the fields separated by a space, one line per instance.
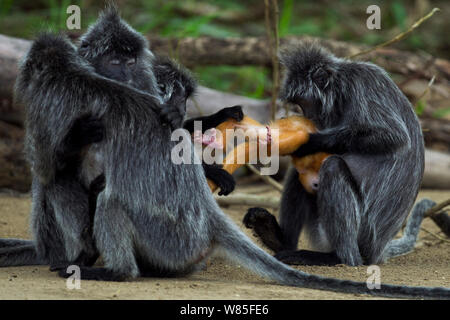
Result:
x=369 y=185
x=156 y=218
x=68 y=178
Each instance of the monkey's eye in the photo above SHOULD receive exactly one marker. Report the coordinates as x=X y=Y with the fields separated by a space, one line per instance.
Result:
x=114 y=62
x=131 y=61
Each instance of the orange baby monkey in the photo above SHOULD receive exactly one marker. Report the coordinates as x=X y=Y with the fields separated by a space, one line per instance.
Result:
x=292 y=133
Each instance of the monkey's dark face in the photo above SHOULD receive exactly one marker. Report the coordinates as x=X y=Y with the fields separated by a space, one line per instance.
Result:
x=118 y=67
x=305 y=92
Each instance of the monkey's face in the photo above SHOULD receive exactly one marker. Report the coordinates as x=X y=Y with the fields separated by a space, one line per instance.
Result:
x=118 y=67
x=309 y=88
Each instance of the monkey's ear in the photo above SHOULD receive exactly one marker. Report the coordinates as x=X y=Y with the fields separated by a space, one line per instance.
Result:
x=321 y=78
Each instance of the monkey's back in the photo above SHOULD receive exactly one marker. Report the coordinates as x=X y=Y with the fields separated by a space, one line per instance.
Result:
x=164 y=200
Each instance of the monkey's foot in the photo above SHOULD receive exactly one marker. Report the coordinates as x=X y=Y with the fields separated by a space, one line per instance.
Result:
x=234 y=113
x=99 y=274
x=221 y=178
x=442 y=219
x=308 y=258
x=59 y=266
x=265 y=226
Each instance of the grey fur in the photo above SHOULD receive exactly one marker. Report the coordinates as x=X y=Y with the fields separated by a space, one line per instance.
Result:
x=60 y=221
x=155 y=217
x=369 y=185
x=406 y=243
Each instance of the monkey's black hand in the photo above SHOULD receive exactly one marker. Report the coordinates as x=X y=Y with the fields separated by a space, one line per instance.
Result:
x=220 y=177
x=174 y=110
x=97 y=185
x=84 y=131
x=234 y=113
x=312 y=146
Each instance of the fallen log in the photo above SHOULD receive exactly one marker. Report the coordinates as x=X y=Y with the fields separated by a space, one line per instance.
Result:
x=230 y=51
x=14 y=173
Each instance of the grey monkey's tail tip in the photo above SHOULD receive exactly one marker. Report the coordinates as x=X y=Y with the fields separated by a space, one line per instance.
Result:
x=245 y=252
x=383 y=290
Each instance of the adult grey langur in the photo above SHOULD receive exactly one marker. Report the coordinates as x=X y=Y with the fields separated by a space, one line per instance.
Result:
x=67 y=178
x=369 y=185
x=154 y=217
x=63 y=191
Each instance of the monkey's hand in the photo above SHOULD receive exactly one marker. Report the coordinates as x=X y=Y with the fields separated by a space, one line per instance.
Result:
x=311 y=147
x=85 y=131
x=220 y=177
x=174 y=110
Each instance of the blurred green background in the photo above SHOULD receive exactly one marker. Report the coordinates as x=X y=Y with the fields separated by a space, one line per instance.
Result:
x=340 y=20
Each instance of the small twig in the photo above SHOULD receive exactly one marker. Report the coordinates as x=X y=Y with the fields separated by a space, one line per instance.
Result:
x=434 y=235
x=432 y=211
x=249 y=200
x=427 y=89
x=267 y=179
x=399 y=36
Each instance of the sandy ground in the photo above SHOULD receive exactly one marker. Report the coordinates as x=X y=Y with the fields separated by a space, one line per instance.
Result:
x=428 y=265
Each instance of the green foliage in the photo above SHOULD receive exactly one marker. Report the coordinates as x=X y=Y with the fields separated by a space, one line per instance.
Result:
x=285 y=18
x=5 y=7
x=420 y=107
x=344 y=20
x=247 y=80
x=58 y=14
x=440 y=113
x=399 y=13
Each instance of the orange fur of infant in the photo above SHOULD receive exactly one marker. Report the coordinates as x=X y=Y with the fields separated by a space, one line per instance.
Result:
x=293 y=132
x=308 y=170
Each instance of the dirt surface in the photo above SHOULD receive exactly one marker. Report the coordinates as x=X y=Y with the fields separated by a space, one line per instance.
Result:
x=428 y=265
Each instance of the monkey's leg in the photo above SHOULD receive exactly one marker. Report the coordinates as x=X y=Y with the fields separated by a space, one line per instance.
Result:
x=296 y=206
x=337 y=216
x=71 y=225
x=114 y=236
x=442 y=219
x=338 y=202
x=215 y=119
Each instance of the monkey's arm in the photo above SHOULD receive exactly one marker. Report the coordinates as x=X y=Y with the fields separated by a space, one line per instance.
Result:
x=379 y=132
x=84 y=131
x=58 y=86
x=212 y=121
x=358 y=139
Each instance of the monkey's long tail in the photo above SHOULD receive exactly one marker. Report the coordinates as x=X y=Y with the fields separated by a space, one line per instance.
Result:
x=242 y=250
x=406 y=243
x=18 y=252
